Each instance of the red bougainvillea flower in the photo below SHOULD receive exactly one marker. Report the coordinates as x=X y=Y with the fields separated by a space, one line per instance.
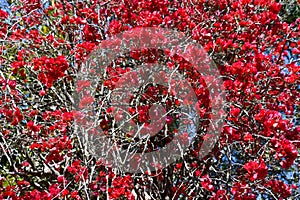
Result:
x=256 y=170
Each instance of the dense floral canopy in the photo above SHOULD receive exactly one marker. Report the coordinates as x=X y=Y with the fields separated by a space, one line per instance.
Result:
x=255 y=46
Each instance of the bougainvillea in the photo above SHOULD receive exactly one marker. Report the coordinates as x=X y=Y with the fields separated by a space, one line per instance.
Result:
x=43 y=45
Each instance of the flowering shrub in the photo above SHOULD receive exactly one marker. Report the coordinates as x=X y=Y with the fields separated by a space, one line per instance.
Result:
x=43 y=45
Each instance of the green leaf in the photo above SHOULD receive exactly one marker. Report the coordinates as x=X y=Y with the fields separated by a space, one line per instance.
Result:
x=45 y=30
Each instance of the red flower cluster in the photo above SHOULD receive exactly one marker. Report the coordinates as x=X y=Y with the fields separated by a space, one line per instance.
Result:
x=256 y=170
x=121 y=186
x=206 y=183
x=279 y=187
x=285 y=149
x=50 y=69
